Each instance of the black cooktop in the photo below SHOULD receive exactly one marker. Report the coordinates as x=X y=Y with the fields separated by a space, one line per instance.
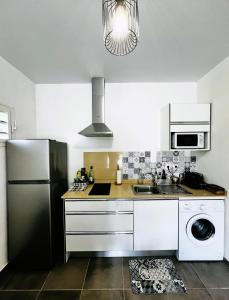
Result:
x=100 y=189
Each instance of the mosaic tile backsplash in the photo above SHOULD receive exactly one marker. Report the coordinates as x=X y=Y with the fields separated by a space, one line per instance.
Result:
x=134 y=162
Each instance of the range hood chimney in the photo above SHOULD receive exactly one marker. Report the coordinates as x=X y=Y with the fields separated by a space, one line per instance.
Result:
x=98 y=128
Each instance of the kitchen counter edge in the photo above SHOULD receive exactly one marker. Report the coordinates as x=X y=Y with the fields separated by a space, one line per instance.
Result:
x=124 y=192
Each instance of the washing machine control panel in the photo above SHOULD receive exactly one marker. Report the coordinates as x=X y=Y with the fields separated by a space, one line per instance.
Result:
x=201 y=205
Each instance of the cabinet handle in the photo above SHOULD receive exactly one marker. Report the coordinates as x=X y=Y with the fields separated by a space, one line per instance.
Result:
x=97 y=232
x=98 y=213
x=190 y=123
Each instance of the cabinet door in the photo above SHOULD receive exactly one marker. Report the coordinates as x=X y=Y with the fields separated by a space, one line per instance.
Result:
x=190 y=112
x=156 y=225
x=3 y=220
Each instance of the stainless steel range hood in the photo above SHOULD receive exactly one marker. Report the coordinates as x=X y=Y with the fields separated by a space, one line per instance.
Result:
x=98 y=128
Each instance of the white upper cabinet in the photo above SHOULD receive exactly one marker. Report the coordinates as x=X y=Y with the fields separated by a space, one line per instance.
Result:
x=185 y=118
x=190 y=113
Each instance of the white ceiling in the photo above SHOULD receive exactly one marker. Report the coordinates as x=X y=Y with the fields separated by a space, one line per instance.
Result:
x=60 y=41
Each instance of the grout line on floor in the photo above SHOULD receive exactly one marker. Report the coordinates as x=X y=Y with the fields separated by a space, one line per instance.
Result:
x=103 y=289
x=221 y=288
x=212 y=289
x=193 y=268
x=196 y=289
x=210 y=294
x=201 y=289
x=86 y=273
x=65 y=290
x=45 y=280
x=17 y=290
x=38 y=294
x=123 y=279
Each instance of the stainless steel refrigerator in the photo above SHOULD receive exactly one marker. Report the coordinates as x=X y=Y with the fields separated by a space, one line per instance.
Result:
x=37 y=178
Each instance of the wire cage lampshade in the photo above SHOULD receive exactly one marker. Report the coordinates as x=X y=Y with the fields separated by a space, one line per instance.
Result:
x=121 y=26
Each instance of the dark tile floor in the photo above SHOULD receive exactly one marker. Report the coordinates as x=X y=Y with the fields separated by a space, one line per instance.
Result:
x=108 y=279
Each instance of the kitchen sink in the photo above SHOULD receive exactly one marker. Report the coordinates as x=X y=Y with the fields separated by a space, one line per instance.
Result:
x=159 y=189
x=145 y=189
x=172 y=189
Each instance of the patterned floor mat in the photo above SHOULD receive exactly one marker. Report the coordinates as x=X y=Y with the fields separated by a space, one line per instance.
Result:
x=154 y=276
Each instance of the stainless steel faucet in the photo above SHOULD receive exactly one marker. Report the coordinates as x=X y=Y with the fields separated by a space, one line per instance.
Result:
x=153 y=178
x=141 y=177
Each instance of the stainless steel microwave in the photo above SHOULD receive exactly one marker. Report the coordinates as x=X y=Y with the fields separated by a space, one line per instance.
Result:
x=188 y=140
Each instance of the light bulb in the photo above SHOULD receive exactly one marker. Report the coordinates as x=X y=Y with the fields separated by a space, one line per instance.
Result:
x=120 y=23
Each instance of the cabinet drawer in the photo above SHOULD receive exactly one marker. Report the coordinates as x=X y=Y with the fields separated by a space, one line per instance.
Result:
x=100 y=205
x=106 y=222
x=106 y=242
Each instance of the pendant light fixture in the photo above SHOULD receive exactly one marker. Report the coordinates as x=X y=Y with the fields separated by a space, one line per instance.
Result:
x=121 y=27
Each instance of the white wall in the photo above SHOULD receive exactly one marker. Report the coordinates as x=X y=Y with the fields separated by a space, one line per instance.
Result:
x=132 y=112
x=213 y=87
x=17 y=91
x=3 y=210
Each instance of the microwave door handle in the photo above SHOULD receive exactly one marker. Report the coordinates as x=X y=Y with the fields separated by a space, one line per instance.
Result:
x=176 y=139
x=201 y=141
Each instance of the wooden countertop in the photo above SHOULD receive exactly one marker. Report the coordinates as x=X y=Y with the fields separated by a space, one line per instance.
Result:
x=124 y=191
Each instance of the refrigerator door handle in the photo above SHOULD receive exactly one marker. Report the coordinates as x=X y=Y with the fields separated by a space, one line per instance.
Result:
x=29 y=182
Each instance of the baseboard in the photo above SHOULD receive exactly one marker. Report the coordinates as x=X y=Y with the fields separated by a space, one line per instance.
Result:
x=123 y=253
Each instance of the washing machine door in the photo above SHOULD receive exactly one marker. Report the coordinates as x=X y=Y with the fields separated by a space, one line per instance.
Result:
x=200 y=230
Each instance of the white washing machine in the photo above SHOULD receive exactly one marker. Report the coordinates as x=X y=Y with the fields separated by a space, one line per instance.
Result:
x=201 y=230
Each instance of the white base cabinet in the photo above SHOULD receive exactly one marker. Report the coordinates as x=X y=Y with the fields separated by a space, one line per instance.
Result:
x=99 y=225
x=155 y=225
x=113 y=225
x=3 y=210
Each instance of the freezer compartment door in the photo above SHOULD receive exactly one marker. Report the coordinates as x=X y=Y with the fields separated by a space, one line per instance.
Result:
x=28 y=160
x=58 y=161
x=29 y=225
